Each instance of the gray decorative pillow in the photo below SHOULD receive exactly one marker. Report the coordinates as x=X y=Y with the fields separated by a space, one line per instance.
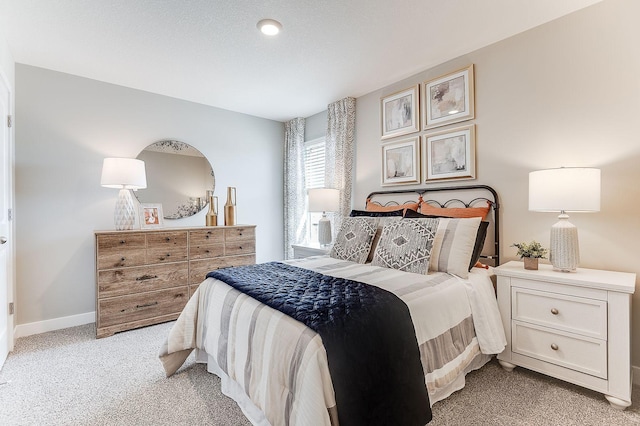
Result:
x=354 y=239
x=453 y=245
x=406 y=245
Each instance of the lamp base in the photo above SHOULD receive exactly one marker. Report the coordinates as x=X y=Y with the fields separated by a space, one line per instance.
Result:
x=564 y=252
x=125 y=214
x=324 y=231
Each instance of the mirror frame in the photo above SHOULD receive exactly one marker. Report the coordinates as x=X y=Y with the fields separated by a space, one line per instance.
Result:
x=192 y=205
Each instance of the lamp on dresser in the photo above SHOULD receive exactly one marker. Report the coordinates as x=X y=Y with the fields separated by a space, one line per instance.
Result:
x=324 y=200
x=124 y=174
x=567 y=189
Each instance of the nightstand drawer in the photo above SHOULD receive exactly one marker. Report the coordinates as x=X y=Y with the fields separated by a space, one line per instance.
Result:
x=578 y=353
x=580 y=315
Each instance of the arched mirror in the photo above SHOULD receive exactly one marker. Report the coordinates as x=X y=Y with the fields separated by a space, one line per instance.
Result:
x=178 y=177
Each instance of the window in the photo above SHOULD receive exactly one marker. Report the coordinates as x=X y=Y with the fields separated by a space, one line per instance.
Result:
x=314 y=151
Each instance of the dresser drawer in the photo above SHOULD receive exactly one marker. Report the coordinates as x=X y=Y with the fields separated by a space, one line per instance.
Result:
x=239 y=233
x=136 y=307
x=115 y=243
x=239 y=247
x=167 y=239
x=165 y=255
x=119 y=282
x=579 y=353
x=204 y=237
x=206 y=251
x=587 y=317
x=121 y=259
x=198 y=269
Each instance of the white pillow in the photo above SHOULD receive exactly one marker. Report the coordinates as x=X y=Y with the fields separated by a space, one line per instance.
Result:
x=354 y=239
x=453 y=245
x=406 y=245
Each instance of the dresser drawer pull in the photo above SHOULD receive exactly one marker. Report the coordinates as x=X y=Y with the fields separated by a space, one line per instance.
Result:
x=122 y=242
x=146 y=305
x=240 y=247
x=554 y=346
x=554 y=311
x=122 y=259
x=146 y=277
x=168 y=239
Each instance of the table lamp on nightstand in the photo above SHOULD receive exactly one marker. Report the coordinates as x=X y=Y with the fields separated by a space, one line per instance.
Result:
x=324 y=200
x=124 y=174
x=567 y=189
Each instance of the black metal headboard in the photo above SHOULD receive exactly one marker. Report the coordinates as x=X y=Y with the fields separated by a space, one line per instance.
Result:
x=440 y=197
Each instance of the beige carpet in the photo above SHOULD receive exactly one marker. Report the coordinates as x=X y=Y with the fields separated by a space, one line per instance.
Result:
x=67 y=377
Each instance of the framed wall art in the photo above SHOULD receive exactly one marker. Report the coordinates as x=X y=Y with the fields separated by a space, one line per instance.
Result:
x=450 y=154
x=400 y=162
x=449 y=98
x=400 y=112
x=151 y=216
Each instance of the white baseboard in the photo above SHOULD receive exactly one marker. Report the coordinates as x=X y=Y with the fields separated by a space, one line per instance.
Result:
x=23 y=330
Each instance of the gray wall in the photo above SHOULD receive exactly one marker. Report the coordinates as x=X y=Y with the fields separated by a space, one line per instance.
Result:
x=562 y=94
x=315 y=126
x=66 y=125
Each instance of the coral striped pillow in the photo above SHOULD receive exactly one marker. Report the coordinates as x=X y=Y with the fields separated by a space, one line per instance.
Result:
x=374 y=207
x=458 y=212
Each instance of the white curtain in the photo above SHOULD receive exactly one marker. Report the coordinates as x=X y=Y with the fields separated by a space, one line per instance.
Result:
x=295 y=219
x=341 y=119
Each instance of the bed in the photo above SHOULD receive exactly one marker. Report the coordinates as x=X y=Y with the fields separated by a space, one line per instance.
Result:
x=281 y=371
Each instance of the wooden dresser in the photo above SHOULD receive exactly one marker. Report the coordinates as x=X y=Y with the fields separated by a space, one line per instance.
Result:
x=145 y=277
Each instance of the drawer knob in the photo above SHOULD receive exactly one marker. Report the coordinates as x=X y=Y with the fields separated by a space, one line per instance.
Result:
x=122 y=241
x=554 y=311
x=168 y=239
x=554 y=346
x=122 y=259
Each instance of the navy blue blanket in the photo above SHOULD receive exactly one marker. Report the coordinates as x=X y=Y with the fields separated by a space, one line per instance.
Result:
x=367 y=332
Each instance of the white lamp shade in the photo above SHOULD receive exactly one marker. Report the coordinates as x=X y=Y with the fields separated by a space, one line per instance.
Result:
x=568 y=189
x=324 y=200
x=127 y=173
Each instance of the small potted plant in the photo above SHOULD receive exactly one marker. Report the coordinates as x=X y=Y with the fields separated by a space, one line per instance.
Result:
x=530 y=253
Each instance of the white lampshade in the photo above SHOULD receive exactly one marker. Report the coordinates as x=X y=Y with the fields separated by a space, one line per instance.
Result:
x=324 y=200
x=567 y=189
x=127 y=173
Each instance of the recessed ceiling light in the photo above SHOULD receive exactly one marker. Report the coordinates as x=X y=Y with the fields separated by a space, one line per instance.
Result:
x=269 y=27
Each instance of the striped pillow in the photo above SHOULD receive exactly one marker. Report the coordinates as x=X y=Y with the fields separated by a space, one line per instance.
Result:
x=453 y=245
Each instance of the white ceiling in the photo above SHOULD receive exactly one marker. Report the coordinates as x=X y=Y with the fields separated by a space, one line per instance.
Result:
x=210 y=51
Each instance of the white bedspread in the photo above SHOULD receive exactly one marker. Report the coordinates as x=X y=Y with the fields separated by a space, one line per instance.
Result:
x=276 y=368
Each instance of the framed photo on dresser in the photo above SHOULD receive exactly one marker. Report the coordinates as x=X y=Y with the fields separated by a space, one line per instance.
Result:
x=151 y=216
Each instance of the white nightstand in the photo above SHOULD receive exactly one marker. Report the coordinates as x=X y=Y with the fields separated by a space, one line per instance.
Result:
x=574 y=326
x=306 y=250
